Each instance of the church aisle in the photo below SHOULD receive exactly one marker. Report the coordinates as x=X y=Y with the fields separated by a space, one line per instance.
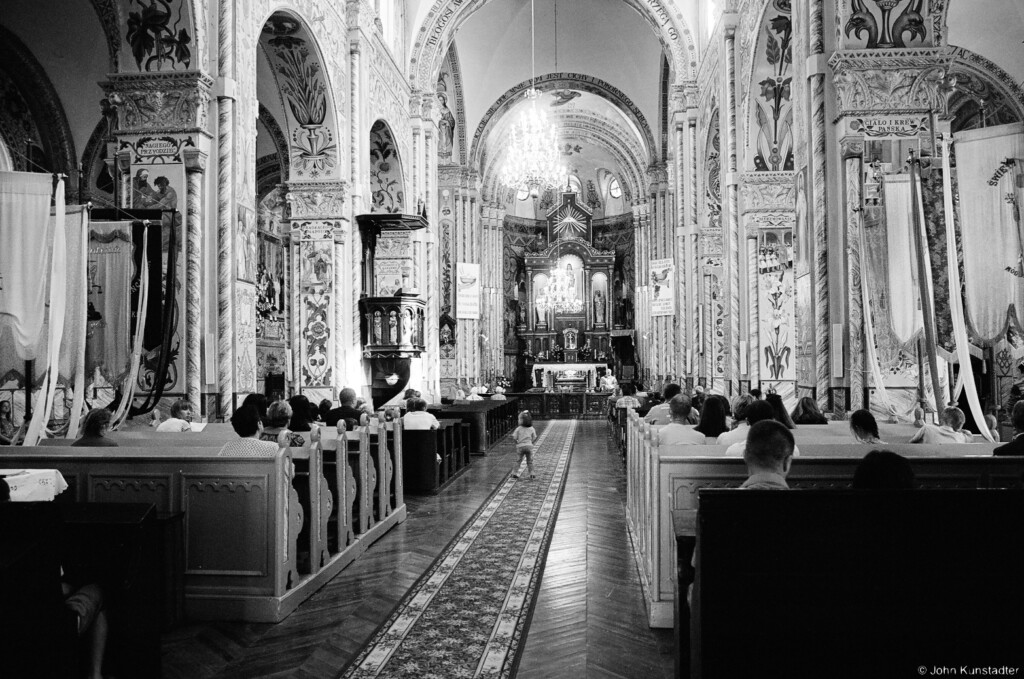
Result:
x=589 y=620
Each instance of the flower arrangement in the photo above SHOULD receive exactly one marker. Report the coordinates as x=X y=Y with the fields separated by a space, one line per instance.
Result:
x=503 y=382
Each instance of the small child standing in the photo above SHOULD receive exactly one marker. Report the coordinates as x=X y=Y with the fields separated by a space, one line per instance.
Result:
x=524 y=435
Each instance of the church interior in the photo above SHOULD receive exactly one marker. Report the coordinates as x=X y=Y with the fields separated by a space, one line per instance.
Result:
x=536 y=221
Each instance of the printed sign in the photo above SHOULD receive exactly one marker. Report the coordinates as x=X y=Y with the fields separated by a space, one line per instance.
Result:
x=467 y=290
x=663 y=287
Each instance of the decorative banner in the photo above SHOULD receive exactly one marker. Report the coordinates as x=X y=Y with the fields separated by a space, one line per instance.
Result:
x=663 y=287
x=776 y=307
x=891 y=126
x=467 y=290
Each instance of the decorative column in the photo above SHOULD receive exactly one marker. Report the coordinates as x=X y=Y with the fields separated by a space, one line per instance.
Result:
x=195 y=167
x=819 y=206
x=732 y=244
x=316 y=216
x=225 y=208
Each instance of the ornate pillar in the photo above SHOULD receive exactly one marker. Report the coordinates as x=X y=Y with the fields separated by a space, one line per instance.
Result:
x=316 y=213
x=195 y=168
x=732 y=231
x=819 y=206
x=853 y=154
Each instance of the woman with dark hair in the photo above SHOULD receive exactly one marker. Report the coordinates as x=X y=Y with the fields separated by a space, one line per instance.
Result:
x=260 y=403
x=324 y=408
x=94 y=428
x=864 y=428
x=302 y=419
x=806 y=412
x=712 y=418
x=883 y=470
x=779 y=412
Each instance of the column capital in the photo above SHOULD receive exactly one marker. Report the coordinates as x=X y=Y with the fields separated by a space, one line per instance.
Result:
x=316 y=200
x=195 y=160
x=168 y=101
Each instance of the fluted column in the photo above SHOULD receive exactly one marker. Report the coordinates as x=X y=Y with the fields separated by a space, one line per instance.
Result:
x=733 y=229
x=225 y=208
x=195 y=168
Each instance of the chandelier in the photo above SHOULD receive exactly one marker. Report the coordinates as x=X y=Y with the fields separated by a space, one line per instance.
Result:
x=534 y=156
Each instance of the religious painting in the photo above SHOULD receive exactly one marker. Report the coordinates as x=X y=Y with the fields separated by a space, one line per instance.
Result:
x=245 y=245
x=316 y=276
x=771 y=95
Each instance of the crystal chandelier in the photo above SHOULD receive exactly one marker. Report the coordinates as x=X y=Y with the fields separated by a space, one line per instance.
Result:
x=534 y=157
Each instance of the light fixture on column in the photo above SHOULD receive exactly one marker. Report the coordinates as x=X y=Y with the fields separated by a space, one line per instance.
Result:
x=533 y=158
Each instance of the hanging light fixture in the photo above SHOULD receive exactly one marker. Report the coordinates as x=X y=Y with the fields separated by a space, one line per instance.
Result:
x=533 y=158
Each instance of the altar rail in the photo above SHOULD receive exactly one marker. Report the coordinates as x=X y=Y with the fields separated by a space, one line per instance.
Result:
x=563 y=405
x=488 y=420
x=660 y=481
x=261 y=535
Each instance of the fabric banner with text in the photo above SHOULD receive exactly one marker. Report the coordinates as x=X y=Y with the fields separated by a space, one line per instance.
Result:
x=663 y=287
x=467 y=286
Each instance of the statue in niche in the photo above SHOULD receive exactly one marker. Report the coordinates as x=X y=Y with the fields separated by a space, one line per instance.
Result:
x=445 y=128
x=378 y=333
x=393 y=327
x=407 y=326
x=599 y=307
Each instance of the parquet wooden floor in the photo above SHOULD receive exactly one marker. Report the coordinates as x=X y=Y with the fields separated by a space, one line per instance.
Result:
x=589 y=620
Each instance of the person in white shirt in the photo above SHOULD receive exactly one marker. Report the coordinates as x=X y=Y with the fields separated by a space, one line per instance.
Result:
x=739 y=416
x=499 y=394
x=418 y=418
x=661 y=414
x=474 y=394
x=948 y=432
x=180 y=419
x=679 y=431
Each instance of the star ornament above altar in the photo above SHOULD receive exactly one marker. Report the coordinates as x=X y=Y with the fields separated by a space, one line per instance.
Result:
x=570 y=222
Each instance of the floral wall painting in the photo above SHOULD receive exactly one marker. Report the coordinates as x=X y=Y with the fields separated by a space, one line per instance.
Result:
x=771 y=93
x=303 y=85
x=776 y=304
x=316 y=276
x=245 y=353
x=713 y=175
x=386 y=182
x=885 y=24
x=158 y=34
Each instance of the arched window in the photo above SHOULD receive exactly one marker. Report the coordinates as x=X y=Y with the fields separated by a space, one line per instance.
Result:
x=614 y=190
x=523 y=193
x=575 y=184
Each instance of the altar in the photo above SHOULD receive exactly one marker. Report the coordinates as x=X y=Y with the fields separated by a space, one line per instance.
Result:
x=567 y=376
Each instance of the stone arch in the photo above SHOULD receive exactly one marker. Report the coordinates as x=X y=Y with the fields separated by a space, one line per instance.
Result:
x=56 y=148
x=300 y=71
x=554 y=81
x=982 y=84
x=445 y=17
x=387 y=179
x=109 y=14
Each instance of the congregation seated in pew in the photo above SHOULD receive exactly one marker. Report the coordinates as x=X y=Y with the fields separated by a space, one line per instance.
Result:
x=950 y=431
x=246 y=423
x=661 y=414
x=347 y=411
x=768 y=454
x=712 y=422
x=279 y=416
x=883 y=470
x=1014 y=446
x=679 y=431
x=418 y=418
x=757 y=411
x=807 y=412
x=739 y=417
x=94 y=429
x=259 y=402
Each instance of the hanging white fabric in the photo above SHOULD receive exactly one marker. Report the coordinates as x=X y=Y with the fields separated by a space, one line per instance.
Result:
x=990 y=233
x=904 y=293
x=109 y=280
x=26 y=234
x=963 y=351
x=869 y=335
x=128 y=386
x=57 y=304
x=938 y=400
x=76 y=316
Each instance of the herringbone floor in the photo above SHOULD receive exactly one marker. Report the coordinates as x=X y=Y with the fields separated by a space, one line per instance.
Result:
x=589 y=620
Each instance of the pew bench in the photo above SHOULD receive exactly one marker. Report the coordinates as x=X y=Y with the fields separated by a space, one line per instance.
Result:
x=844 y=583
x=432 y=459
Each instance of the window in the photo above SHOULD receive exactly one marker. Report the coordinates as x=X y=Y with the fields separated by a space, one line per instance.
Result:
x=614 y=190
x=523 y=193
x=575 y=185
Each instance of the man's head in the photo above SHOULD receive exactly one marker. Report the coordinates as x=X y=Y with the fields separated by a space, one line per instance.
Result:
x=96 y=422
x=246 y=421
x=182 y=410
x=953 y=417
x=679 y=406
x=417 y=404
x=759 y=411
x=756 y=393
x=628 y=389
x=1018 y=416
x=769 y=447
x=347 y=396
x=670 y=391
x=740 y=405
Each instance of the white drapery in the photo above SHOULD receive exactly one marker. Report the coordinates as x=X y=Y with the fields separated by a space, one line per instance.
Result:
x=72 y=352
x=991 y=237
x=109 y=278
x=26 y=236
x=904 y=293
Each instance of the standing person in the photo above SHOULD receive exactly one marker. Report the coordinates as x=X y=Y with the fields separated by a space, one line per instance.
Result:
x=524 y=435
x=180 y=419
x=94 y=428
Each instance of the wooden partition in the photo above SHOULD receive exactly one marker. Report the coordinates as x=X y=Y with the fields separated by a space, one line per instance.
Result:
x=488 y=420
x=659 y=482
x=261 y=534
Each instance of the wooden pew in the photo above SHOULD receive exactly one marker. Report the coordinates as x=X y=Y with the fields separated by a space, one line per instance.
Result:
x=659 y=482
x=863 y=583
x=433 y=458
x=488 y=420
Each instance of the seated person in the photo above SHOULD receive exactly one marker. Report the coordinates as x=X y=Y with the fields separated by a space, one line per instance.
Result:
x=1014 y=446
x=180 y=419
x=807 y=412
x=410 y=394
x=499 y=394
x=758 y=411
x=246 y=423
x=768 y=454
x=259 y=402
x=679 y=431
x=322 y=409
x=864 y=427
x=279 y=415
x=347 y=411
x=993 y=426
x=712 y=417
x=7 y=428
x=740 y=424
x=660 y=414
x=628 y=398
x=94 y=429
x=883 y=470
x=952 y=419
x=418 y=418
x=779 y=408
x=474 y=394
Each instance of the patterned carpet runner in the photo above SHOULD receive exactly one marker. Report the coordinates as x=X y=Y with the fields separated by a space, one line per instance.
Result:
x=467 y=615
